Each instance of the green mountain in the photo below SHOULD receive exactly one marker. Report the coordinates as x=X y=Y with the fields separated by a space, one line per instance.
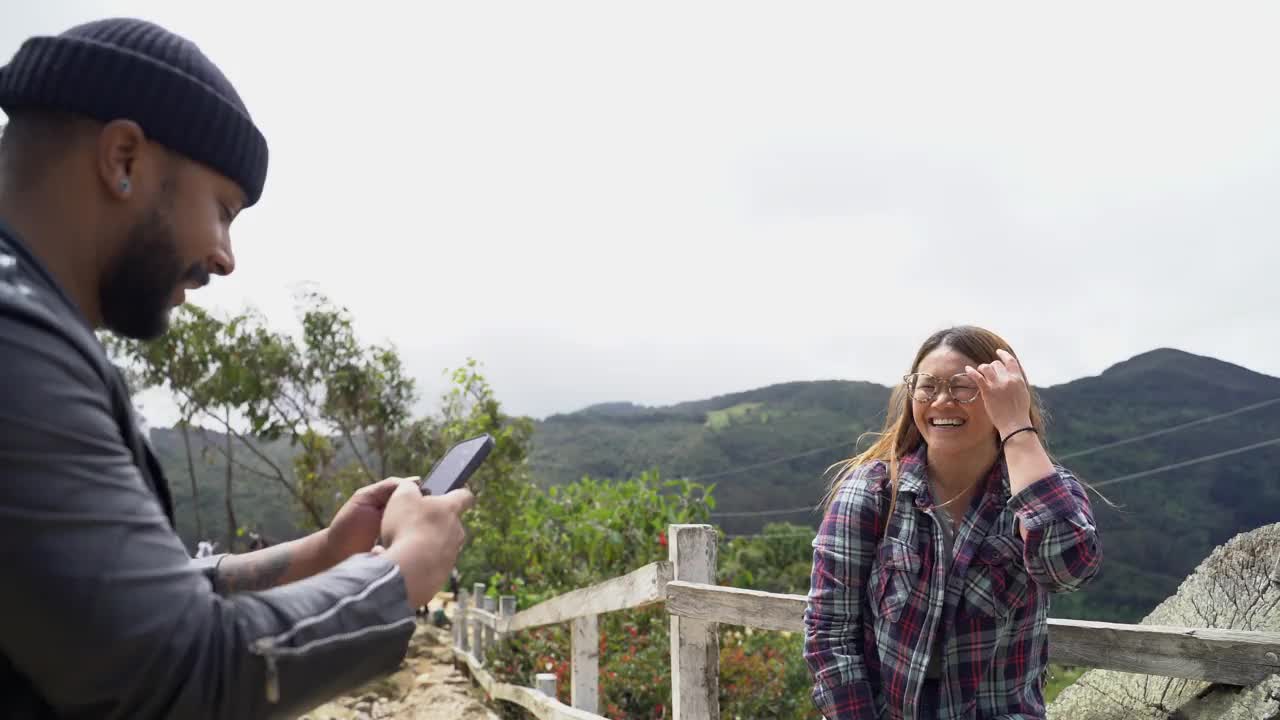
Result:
x=767 y=450
x=261 y=504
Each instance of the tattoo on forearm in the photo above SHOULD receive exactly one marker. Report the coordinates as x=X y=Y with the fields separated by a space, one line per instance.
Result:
x=260 y=570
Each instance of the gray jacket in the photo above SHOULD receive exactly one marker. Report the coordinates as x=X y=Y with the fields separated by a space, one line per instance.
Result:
x=102 y=612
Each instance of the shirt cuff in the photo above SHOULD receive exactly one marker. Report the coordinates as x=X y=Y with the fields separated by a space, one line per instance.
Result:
x=1045 y=501
x=208 y=566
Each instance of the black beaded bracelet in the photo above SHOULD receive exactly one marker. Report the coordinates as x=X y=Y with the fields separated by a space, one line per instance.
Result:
x=1015 y=432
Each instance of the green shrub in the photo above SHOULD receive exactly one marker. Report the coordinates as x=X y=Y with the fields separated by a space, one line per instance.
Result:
x=580 y=534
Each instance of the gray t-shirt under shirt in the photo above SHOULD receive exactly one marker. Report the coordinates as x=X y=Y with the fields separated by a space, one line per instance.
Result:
x=947 y=524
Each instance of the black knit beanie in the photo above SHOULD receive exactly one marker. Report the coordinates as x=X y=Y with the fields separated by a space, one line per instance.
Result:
x=130 y=69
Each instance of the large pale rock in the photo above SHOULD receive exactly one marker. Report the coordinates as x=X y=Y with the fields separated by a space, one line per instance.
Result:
x=1231 y=589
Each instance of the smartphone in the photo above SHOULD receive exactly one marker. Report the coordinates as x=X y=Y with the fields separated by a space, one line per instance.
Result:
x=457 y=465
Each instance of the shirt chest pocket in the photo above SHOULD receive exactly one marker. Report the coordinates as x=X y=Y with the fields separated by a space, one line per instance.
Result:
x=898 y=572
x=998 y=582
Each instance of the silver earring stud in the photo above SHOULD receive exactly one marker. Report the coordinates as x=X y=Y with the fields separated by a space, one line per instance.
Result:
x=124 y=185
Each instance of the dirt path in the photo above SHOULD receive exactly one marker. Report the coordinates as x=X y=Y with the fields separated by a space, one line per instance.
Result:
x=426 y=687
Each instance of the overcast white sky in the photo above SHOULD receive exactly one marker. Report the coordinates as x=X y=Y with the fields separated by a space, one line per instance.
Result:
x=663 y=201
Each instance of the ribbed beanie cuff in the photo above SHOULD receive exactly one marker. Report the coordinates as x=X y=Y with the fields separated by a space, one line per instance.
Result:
x=135 y=70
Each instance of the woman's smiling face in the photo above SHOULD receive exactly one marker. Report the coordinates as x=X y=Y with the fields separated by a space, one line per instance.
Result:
x=948 y=425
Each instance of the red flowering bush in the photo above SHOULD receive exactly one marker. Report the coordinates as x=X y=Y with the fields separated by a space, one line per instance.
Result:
x=580 y=534
x=635 y=668
x=763 y=674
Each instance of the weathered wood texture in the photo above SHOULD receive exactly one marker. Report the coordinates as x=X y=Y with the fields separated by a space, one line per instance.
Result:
x=461 y=640
x=1229 y=657
x=585 y=692
x=477 y=626
x=635 y=589
x=735 y=606
x=507 y=609
x=545 y=683
x=695 y=642
x=483 y=617
x=542 y=706
x=490 y=607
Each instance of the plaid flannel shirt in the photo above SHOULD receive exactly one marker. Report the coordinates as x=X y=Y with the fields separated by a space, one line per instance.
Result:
x=879 y=598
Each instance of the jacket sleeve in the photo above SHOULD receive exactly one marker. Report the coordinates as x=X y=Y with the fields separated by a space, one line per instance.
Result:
x=101 y=608
x=1062 y=552
x=833 y=644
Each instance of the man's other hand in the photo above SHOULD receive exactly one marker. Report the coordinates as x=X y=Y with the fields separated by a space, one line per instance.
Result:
x=357 y=523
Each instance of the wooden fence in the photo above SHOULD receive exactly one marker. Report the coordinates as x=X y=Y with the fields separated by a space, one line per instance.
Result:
x=686 y=584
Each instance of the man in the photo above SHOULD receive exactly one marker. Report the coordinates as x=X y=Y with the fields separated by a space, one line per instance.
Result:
x=126 y=158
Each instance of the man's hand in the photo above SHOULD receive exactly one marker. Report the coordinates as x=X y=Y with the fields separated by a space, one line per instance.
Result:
x=357 y=523
x=354 y=530
x=423 y=536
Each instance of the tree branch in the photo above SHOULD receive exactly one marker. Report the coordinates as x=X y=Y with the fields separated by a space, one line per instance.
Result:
x=346 y=433
x=315 y=516
x=343 y=427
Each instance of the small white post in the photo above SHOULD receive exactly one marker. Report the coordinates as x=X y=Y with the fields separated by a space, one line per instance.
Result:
x=545 y=683
x=477 y=632
x=490 y=604
x=695 y=644
x=460 y=621
x=453 y=625
x=507 y=608
x=585 y=691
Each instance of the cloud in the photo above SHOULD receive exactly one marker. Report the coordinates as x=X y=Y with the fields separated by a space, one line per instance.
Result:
x=667 y=201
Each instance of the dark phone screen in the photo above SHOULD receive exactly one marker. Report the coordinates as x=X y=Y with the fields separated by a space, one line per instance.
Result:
x=448 y=474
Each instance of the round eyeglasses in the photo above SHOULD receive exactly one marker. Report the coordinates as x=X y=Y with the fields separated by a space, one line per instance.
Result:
x=925 y=387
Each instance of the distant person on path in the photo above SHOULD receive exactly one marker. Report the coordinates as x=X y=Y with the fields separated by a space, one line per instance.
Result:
x=126 y=158
x=258 y=542
x=940 y=545
x=205 y=549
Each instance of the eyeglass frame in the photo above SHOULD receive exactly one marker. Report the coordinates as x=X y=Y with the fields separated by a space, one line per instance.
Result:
x=946 y=386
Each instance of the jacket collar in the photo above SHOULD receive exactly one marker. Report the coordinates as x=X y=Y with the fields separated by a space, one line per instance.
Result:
x=13 y=245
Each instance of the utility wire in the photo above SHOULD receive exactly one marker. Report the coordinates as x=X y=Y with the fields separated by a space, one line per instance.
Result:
x=1080 y=453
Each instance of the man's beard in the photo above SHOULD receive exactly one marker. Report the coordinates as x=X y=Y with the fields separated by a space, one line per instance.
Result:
x=138 y=289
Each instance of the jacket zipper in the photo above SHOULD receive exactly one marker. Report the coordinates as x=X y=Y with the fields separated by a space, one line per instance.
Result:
x=265 y=647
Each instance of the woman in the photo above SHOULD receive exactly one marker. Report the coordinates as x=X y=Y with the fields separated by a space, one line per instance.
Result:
x=940 y=545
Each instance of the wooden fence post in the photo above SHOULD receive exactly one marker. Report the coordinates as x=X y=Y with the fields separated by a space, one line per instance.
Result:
x=477 y=633
x=460 y=620
x=545 y=683
x=695 y=644
x=586 y=663
x=507 y=607
x=490 y=604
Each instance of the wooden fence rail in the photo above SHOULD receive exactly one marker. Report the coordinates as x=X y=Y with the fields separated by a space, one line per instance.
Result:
x=687 y=585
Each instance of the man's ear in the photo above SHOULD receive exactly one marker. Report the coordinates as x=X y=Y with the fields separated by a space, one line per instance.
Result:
x=120 y=149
